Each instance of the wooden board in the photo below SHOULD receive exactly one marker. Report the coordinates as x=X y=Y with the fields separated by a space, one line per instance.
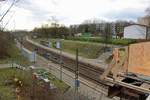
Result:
x=139 y=58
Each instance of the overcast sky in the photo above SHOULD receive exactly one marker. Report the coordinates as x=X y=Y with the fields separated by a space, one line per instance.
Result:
x=28 y=14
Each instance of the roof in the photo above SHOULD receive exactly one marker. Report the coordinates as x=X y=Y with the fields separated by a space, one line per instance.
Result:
x=138 y=24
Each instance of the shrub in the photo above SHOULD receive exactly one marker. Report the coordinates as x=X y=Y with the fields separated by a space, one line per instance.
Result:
x=103 y=40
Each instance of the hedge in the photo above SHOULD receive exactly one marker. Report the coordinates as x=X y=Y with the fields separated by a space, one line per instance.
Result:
x=103 y=40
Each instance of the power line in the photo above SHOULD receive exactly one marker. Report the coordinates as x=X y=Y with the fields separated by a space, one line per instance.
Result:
x=13 y=3
x=8 y=21
x=8 y=10
x=2 y=3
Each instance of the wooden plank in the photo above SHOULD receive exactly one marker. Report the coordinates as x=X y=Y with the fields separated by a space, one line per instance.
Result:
x=107 y=71
x=133 y=87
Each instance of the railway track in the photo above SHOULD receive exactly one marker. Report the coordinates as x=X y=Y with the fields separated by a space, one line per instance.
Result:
x=89 y=71
x=86 y=70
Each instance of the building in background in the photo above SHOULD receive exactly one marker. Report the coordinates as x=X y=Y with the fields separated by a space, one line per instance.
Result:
x=74 y=30
x=100 y=28
x=119 y=26
x=144 y=20
x=137 y=31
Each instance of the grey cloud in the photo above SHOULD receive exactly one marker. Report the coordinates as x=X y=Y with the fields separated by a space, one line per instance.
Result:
x=38 y=14
x=126 y=14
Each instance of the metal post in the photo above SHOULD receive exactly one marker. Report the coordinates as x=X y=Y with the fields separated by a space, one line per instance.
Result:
x=34 y=56
x=33 y=89
x=21 y=46
x=77 y=66
x=12 y=63
x=61 y=66
x=33 y=83
x=76 y=75
x=35 y=51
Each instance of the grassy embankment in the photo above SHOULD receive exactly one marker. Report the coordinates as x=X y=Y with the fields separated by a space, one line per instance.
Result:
x=8 y=85
x=88 y=47
x=113 y=41
x=15 y=56
x=58 y=83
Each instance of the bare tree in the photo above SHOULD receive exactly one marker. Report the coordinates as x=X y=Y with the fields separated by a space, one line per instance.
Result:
x=148 y=15
x=148 y=11
x=4 y=45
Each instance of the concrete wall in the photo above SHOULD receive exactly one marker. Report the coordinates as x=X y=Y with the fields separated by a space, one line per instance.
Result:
x=135 y=32
x=144 y=20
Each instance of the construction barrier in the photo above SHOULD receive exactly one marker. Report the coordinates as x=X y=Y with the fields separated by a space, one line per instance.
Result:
x=139 y=58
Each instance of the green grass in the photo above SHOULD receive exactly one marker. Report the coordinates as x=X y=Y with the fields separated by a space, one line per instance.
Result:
x=58 y=83
x=15 y=56
x=8 y=86
x=103 y=40
x=7 y=75
x=88 y=47
x=6 y=93
x=89 y=50
x=4 y=61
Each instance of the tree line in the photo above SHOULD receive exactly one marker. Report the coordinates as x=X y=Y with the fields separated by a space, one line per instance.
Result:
x=95 y=27
x=51 y=32
x=6 y=44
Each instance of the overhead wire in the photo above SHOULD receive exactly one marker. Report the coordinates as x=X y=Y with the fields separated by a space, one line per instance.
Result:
x=8 y=21
x=7 y=11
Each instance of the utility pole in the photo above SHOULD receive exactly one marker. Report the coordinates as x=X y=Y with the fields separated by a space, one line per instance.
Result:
x=35 y=52
x=32 y=92
x=61 y=66
x=21 y=48
x=59 y=46
x=77 y=82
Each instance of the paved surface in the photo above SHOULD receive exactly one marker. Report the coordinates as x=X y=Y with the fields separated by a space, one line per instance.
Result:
x=5 y=65
x=8 y=65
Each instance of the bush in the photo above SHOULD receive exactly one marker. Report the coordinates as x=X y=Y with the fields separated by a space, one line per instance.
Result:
x=88 y=50
x=103 y=40
x=5 y=45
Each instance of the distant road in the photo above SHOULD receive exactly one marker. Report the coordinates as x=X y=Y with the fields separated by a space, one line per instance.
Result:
x=5 y=65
